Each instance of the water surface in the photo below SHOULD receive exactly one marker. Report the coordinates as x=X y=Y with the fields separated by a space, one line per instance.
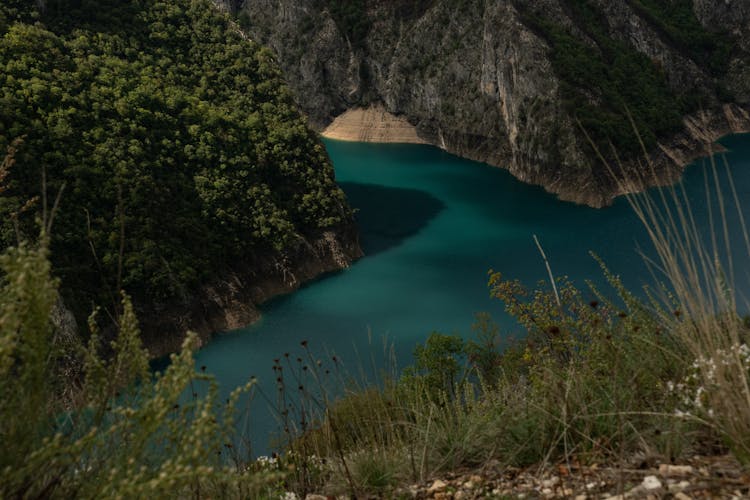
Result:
x=432 y=225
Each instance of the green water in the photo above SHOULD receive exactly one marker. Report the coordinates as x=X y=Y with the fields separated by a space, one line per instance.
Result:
x=432 y=225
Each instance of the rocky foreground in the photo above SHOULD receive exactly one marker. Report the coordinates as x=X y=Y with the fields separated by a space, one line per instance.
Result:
x=697 y=478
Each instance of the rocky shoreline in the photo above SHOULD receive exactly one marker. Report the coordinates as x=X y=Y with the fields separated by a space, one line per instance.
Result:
x=668 y=161
x=232 y=302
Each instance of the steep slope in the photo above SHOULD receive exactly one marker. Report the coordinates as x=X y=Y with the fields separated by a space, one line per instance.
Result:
x=508 y=81
x=191 y=180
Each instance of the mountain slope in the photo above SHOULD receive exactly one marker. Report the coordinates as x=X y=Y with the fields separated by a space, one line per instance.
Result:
x=508 y=81
x=191 y=180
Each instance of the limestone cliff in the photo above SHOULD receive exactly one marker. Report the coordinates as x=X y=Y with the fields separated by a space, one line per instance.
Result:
x=481 y=79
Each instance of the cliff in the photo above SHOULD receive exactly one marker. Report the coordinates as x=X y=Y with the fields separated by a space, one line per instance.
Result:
x=508 y=82
x=232 y=301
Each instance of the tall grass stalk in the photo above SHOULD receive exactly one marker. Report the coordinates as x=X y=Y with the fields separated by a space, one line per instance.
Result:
x=697 y=297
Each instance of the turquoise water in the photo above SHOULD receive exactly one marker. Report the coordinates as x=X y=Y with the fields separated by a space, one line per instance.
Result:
x=432 y=225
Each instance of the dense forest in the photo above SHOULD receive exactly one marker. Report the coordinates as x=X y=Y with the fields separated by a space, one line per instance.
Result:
x=179 y=147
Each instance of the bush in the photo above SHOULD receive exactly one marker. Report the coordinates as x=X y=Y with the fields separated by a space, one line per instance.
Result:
x=129 y=435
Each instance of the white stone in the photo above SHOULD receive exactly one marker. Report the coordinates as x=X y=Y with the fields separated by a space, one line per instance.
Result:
x=651 y=483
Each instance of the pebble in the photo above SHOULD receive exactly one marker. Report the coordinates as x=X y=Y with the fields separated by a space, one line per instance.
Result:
x=651 y=483
x=315 y=497
x=675 y=470
x=678 y=486
x=549 y=483
x=438 y=485
x=681 y=496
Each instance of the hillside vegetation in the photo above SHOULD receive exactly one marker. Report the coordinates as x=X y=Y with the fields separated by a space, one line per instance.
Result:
x=180 y=148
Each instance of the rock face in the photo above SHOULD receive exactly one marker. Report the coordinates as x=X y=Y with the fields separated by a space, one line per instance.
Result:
x=478 y=79
x=233 y=301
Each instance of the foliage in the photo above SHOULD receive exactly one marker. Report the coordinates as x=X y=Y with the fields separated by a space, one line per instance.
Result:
x=438 y=363
x=604 y=80
x=181 y=147
x=599 y=82
x=128 y=437
x=677 y=21
x=699 y=303
x=589 y=382
x=351 y=19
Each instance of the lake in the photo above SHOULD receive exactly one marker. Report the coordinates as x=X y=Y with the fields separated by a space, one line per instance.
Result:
x=431 y=226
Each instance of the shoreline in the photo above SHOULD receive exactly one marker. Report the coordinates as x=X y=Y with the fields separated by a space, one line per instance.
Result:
x=233 y=301
x=697 y=139
x=373 y=124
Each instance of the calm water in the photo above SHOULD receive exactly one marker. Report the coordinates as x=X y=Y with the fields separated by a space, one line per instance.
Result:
x=432 y=225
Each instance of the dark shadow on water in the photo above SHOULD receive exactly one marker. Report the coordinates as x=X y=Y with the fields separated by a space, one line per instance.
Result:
x=386 y=216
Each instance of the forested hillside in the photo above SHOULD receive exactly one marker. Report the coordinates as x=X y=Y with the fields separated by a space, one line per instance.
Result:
x=181 y=150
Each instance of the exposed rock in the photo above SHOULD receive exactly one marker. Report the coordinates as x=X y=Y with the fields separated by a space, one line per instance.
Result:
x=372 y=124
x=724 y=478
x=478 y=81
x=232 y=302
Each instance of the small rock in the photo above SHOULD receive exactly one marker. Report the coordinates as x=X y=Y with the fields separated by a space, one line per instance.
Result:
x=549 y=483
x=442 y=495
x=651 y=483
x=681 y=496
x=675 y=470
x=547 y=492
x=591 y=486
x=567 y=492
x=581 y=497
x=315 y=497
x=460 y=495
x=679 y=486
x=438 y=485
x=469 y=485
